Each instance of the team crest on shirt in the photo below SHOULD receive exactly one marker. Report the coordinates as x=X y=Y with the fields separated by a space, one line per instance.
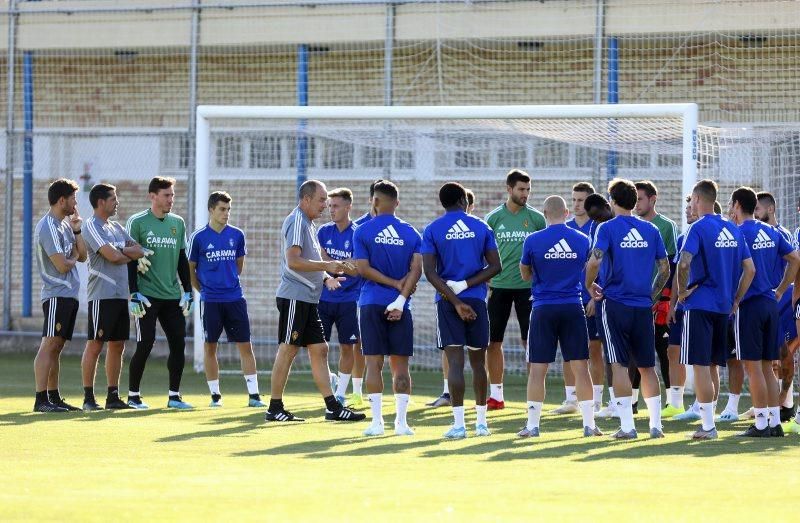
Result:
x=174 y=231
x=347 y=244
x=100 y=333
x=525 y=223
x=58 y=327
x=295 y=335
x=230 y=242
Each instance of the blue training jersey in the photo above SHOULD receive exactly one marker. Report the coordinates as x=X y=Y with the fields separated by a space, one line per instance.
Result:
x=389 y=244
x=718 y=249
x=459 y=241
x=339 y=246
x=215 y=254
x=631 y=246
x=587 y=229
x=556 y=255
x=767 y=248
x=679 y=243
x=364 y=218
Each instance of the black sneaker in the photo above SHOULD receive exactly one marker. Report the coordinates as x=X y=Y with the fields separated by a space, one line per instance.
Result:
x=116 y=403
x=281 y=415
x=787 y=413
x=345 y=414
x=776 y=431
x=753 y=432
x=91 y=405
x=64 y=405
x=46 y=406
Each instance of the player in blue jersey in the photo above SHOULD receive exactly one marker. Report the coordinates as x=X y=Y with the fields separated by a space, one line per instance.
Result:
x=339 y=307
x=387 y=254
x=459 y=254
x=756 y=321
x=552 y=260
x=581 y=222
x=629 y=247
x=370 y=214
x=714 y=272
x=216 y=261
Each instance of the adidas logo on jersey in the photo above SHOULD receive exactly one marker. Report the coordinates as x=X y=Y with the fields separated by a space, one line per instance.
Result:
x=633 y=240
x=150 y=233
x=329 y=242
x=726 y=239
x=210 y=246
x=763 y=241
x=501 y=227
x=560 y=251
x=389 y=236
x=459 y=231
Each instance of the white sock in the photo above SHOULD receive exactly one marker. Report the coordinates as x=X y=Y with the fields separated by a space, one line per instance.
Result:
x=714 y=406
x=174 y=393
x=446 y=389
x=252 y=383
x=587 y=413
x=774 y=416
x=733 y=403
x=625 y=411
x=401 y=404
x=797 y=417
x=676 y=397
x=375 y=403
x=458 y=417
x=357 y=383
x=344 y=381
x=695 y=406
x=133 y=394
x=597 y=394
x=762 y=417
x=654 y=409
x=480 y=412
x=213 y=386
x=534 y=414
x=634 y=396
x=789 y=401
x=496 y=391
x=707 y=415
x=611 y=395
x=571 y=396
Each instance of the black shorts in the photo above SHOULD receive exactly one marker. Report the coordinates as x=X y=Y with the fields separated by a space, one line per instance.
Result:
x=166 y=312
x=299 y=323
x=59 y=317
x=500 y=301
x=108 y=320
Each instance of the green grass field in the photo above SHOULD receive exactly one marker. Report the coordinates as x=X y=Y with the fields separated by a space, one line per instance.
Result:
x=227 y=464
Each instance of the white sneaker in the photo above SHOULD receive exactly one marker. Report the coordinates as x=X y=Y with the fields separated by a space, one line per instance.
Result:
x=749 y=414
x=608 y=412
x=402 y=430
x=568 y=407
x=374 y=430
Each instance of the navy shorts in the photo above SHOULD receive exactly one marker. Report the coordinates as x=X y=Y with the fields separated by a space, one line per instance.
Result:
x=345 y=316
x=755 y=325
x=630 y=334
x=787 y=328
x=598 y=323
x=229 y=315
x=452 y=330
x=676 y=329
x=381 y=337
x=591 y=325
x=554 y=325
x=705 y=338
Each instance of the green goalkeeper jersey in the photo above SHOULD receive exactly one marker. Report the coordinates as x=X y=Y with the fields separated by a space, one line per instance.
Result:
x=510 y=231
x=165 y=237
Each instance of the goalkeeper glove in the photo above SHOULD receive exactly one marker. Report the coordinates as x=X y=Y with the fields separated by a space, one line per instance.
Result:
x=457 y=286
x=397 y=304
x=138 y=304
x=186 y=303
x=143 y=264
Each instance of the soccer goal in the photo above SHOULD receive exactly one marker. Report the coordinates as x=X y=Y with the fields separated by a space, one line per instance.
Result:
x=258 y=154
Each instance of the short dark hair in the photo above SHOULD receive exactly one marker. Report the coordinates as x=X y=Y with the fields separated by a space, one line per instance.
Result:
x=766 y=196
x=594 y=200
x=470 y=197
x=586 y=187
x=372 y=187
x=342 y=192
x=160 y=182
x=717 y=208
x=61 y=188
x=101 y=191
x=451 y=193
x=623 y=192
x=706 y=189
x=218 y=196
x=648 y=187
x=746 y=198
x=517 y=175
x=386 y=188
x=688 y=198
x=308 y=188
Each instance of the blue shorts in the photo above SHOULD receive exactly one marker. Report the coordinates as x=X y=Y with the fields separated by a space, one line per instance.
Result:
x=787 y=328
x=705 y=338
x=591 y=325
x=229 y=315
x=452 y=330
x=676 y=329
x=554 y=325
x=344 y=315
x=630 y=334
x=598 y=323
x=381 y=337
x=755 y=325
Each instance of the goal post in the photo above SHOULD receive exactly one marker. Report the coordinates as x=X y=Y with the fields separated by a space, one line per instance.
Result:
x=611 y=127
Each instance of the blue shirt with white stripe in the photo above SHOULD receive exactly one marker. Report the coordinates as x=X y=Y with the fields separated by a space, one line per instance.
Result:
x=767 y=248
x=556 y=255
x=338 y=245
x=460 y=242
x=215 y=254
x=586 y=229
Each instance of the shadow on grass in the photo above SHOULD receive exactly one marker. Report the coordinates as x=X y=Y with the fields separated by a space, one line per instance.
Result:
x=30 y=418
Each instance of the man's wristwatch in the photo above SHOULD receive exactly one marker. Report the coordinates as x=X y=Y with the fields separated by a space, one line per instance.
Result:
x=76 y=232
